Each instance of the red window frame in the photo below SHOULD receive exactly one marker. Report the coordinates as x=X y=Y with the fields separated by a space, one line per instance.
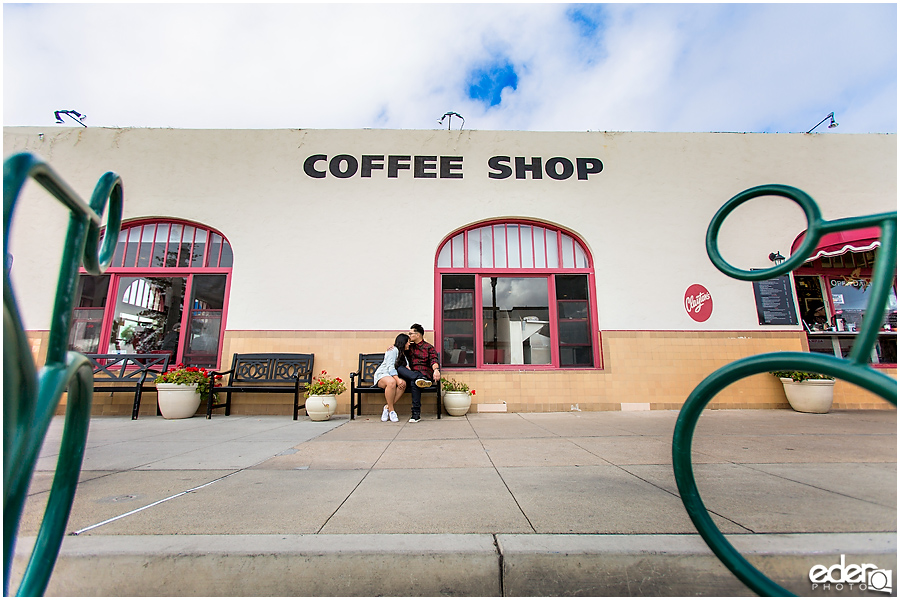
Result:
x=563 y=236
x=118 y=269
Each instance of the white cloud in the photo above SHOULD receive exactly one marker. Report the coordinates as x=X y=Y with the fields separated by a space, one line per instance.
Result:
x=704 y=67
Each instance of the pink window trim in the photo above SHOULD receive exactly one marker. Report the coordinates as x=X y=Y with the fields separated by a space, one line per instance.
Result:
x=116 y=272
x=505 y=271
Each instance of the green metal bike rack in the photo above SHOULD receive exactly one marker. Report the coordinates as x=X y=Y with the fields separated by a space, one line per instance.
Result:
x=854 y=369
x=30 y=398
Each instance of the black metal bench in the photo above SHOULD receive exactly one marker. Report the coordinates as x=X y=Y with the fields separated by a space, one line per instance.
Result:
x=127 y=373
x=263 y=374
x=368 y=364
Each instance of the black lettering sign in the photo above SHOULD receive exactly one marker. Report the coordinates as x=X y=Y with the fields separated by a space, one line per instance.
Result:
x=449 y=164
x=335 y=166
x=588 y=166
x=567 y=168
x=309 y=166
x=501 y=170
x=368 y=164
x=424 y=164
x=395 y=164
x=534 y=167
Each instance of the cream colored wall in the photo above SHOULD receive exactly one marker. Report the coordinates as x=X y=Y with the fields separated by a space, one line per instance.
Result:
x=311 y=254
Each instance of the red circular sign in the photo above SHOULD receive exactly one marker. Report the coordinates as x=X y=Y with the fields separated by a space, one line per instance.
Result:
x=698 y=302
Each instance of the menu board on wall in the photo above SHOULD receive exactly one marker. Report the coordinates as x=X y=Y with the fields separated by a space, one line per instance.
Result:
x=774 y=301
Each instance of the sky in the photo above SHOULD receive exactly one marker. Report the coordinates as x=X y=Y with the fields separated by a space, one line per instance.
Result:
x=512 y=66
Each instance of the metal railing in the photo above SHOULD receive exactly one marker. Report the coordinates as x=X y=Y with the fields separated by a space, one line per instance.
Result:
x=30 y=397
x=854 y=369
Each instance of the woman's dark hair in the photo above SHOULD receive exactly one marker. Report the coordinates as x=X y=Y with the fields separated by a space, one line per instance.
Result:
x=400 y=344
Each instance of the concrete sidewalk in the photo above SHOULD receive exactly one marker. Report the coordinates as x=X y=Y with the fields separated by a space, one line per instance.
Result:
x=487 y=504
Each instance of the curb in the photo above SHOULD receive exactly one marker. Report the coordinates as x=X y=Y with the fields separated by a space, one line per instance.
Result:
x=440 y=564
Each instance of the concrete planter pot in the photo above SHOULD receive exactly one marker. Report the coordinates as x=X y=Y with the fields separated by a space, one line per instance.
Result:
x=809 y=396
x=320 y=408
x=457 y=403
x=177 y=401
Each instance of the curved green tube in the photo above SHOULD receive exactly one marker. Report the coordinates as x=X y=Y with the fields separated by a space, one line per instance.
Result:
x=30 y=399
x=854 y=370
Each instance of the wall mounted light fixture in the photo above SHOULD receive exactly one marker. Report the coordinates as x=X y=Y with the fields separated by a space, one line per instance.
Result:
x=72 y=114
x=776 y=257
x=831 y=125
x=451 y=115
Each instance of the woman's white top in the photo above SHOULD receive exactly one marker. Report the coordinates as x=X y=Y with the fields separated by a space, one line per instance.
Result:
x=387 y=368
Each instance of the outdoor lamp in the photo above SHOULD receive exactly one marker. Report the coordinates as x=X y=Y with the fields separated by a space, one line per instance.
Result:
x=72 y=114
x=451 y=115
x=776 y=257
x=831 y=125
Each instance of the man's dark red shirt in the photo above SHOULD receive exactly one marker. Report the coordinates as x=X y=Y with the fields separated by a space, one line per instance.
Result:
x=422 y=357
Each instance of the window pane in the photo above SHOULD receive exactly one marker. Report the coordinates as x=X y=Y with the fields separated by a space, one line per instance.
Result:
x=444 y=257
x=458 y=251
x=499 y=246
x=146 y=245
x=120 y=249
x=131 y=248
x=458 y=320
x=552 y=250
x=573 y=310
x=850 y=299
x=487 y=247
x=187 y=240
x=516 y=320
x=576 y=356
x=205 y=320
x=475 y=248
x=215 y=245
x=174 y=245
x=147 y=315
x=527 y=249
x=568 y=252
x=512 y=244
x=574 y=332
x=87 y=317
x=159 y=245
x=199 y=248
x=581 y=261
x=571 y=287
x=540 y=248
x=227 y=258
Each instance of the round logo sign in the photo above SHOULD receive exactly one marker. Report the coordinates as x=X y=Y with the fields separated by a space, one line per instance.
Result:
x=698 y=302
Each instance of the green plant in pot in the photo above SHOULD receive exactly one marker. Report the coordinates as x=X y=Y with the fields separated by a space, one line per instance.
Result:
x=807 y=392
x=457 y=397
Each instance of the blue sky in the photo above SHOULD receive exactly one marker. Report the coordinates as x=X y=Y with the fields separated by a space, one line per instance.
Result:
x=540 y=67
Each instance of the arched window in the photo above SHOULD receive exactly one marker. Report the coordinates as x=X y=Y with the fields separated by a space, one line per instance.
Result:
x=169 y=280
x=516 y=293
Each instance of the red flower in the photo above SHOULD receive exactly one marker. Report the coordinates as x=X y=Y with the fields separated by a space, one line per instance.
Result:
x=339 y=380
x=473 y=392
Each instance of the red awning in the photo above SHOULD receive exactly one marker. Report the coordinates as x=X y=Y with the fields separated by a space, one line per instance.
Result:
x=835 y=244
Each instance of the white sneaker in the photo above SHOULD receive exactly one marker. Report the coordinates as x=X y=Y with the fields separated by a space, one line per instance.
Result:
x=414 y=420
x=423 y=383
x=394 y=417
x=384 y=413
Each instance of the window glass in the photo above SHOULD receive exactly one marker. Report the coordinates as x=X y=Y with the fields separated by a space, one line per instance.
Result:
x=458 y=320
x=516 y=320
x=87 y=317
x=444 y=257
x=527 y=249
x=540 y=248
x=552 y=250
x=174 y=244
x=487 y=247
x=199 y=248
x=458 y=250
x=575 y=336
x=159 y=245
x=187 y=242
x=147 y=315
x=850 y=297
x=215 y=245
x=474 y=248
x=513 y=255
x=568 y=251
x=205 y=320
x=500 y=246
x=131 y=246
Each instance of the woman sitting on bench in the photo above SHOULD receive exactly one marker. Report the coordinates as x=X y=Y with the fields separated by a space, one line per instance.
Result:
x=386 y=376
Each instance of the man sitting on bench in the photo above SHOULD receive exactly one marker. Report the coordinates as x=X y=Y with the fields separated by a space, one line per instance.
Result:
x=423 y=360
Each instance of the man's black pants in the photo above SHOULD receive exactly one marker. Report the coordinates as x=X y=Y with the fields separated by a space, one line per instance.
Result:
x=410 y=377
